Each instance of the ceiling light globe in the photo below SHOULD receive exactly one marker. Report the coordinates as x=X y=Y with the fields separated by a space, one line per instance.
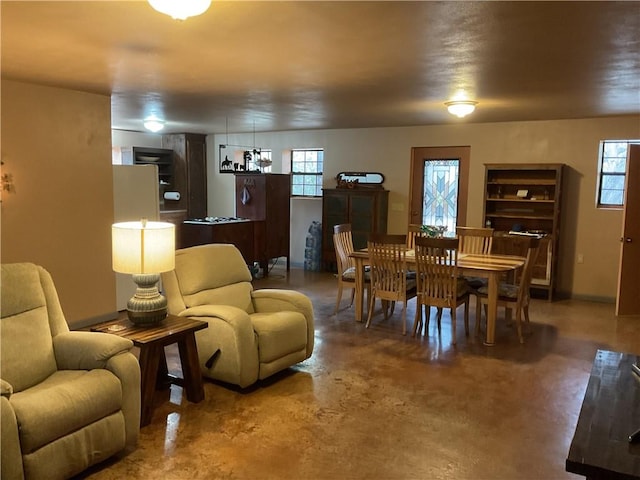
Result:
x=461 y=108
x=180 y=9
x=153 y=124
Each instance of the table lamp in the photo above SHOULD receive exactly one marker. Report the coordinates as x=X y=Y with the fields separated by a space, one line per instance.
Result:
x=144 y=249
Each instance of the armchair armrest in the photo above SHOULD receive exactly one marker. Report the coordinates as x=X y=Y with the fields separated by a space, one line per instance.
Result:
x=6 y=389
x=10 y=452
x=87 y=350
x=234 y=316
x=228 y=348
x=276 y=300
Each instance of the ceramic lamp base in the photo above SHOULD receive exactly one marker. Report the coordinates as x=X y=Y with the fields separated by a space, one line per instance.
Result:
x=147 y=307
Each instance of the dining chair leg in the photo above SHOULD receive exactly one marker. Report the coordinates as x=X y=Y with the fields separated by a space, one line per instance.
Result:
x=453 y=325
x=417 y=319
x=466 y=317
x=525 y=309
x=519 y=324
x=338 y=299
x=353 y=295
x=404 y=318
x=370 y=313
x=426 y=319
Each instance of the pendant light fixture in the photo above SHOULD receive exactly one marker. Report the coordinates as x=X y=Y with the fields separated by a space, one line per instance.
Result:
x=181 y=9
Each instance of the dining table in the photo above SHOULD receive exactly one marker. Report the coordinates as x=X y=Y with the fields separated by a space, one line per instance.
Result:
x=488 y=266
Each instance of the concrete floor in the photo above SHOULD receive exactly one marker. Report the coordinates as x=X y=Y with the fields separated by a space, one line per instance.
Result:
x=372 y=404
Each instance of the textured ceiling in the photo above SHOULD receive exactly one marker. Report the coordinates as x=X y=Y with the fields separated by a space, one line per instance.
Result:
x=268 y=66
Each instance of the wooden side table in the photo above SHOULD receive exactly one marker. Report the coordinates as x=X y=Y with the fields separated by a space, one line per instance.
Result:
x=153 y=366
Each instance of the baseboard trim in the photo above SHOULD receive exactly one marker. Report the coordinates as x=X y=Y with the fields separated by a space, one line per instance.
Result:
x=593 y=298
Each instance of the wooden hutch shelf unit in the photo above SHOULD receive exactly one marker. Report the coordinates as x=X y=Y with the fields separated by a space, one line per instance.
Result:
x=365 y=208
x=265 y=198
x=526 y=197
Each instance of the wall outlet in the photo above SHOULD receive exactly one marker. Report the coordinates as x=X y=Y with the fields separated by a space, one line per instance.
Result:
x=580 y=258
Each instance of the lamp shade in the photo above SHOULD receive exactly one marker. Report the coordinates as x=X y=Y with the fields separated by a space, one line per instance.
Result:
x=181 y=9
x=143 y=247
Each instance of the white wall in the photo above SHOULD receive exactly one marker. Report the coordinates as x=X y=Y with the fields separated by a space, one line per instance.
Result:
x=592 y=232
x=125 y=138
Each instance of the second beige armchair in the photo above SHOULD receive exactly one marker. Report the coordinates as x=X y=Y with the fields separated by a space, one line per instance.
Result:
x=69 y=399
x=252 y=334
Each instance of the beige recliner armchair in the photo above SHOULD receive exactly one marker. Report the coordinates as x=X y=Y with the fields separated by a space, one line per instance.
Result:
x=69 y=399
x=252 y=334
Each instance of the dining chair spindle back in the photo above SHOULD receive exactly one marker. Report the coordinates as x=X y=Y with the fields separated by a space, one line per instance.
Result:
x=343 y=243
x=474 y=240
x=391 y=281
x=438 y=283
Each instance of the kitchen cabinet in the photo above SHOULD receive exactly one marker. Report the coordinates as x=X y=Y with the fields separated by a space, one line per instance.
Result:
x=527 y=198
x=365 y=209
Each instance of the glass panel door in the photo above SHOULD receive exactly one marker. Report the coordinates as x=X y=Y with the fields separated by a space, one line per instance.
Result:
x=440 y=193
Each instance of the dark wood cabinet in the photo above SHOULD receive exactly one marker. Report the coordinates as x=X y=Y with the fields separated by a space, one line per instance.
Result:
x=527 y=198
x=177 y=217
x=189 y=172
x=365 y=209
x=265 y=197
x=240 y=234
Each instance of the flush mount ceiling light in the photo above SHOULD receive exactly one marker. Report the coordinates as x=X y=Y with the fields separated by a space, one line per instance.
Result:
x=461 y=108
x=181 y=9
x=153 y=124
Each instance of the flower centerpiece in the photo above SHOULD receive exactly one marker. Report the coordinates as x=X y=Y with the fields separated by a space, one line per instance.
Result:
x=434 y=230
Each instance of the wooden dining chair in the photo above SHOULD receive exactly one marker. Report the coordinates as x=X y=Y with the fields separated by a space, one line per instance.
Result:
x=477 y=241
x=438 y=283
x=474 y=240
x=390 y=279
x=343 y=243
x=515 y=297
x=414 y=230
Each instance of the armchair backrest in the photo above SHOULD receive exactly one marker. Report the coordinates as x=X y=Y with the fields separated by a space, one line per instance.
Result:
x=214 y=274
x=30 y=317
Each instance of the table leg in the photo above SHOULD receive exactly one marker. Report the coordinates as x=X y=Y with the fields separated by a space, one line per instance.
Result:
x=492 y=313
x=359 y=265
x=149 y=362
x=191 y=368
x=163 y=381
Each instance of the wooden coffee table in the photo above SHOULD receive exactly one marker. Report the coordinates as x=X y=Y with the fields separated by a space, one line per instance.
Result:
x=153 y=364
